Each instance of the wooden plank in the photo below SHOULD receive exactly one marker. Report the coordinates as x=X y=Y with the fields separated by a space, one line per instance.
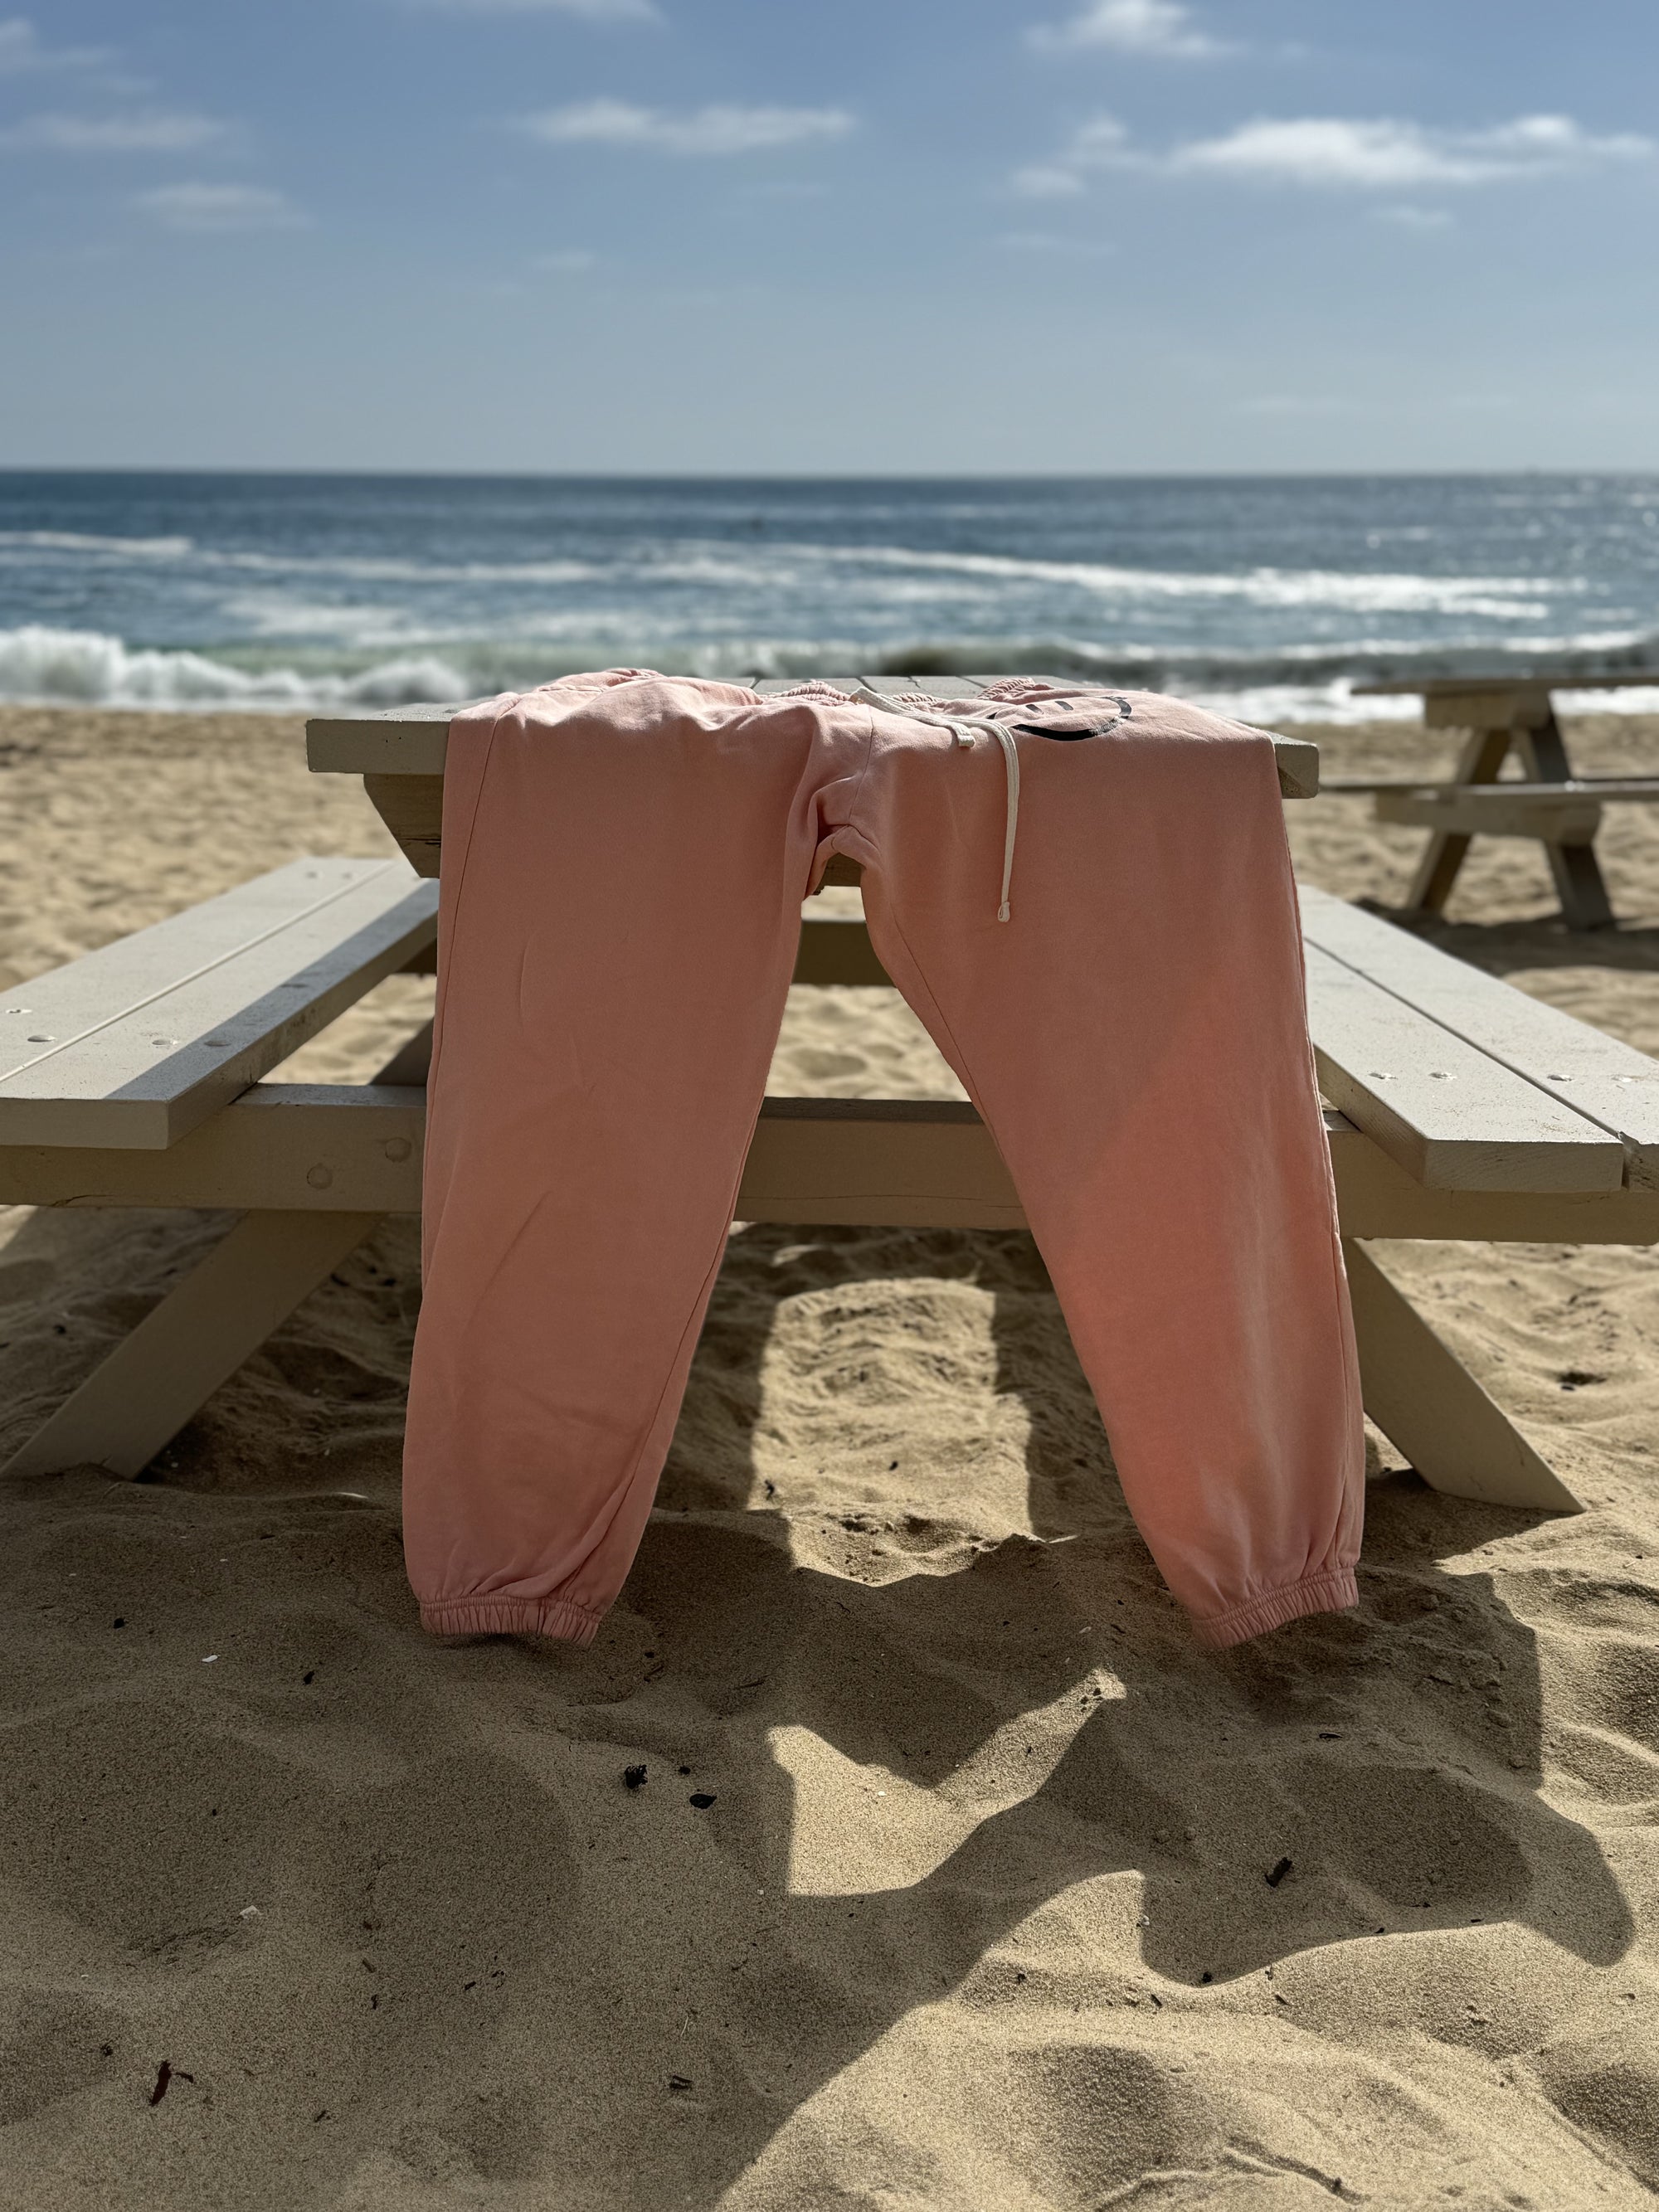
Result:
x=1491 y=810
x=1544 y=679
x=1602 y=1079
x=1577 y=871
x=408 y=741
x=388 y=741
x=141 y=1042
x=925 y=1163
x=1425 y=1401
x=1376 y=1197
x=1604 y=790
x=837 y=949
x=345 y=1148
x=164 y=1372
x=128 y=973
x=1449 y=1115
x=412 y=809
x=1436 y=873
x=314 y=1147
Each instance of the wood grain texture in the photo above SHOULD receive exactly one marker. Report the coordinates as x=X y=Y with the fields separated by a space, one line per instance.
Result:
x=142 y=1041
x=411 y=741
x=1425 y=1401
x=1600 y=1079
x=195 y=1339
x=1454 y=1118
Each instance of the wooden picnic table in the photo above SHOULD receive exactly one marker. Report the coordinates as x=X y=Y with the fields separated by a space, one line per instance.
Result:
x=137 y=1076
x=1562 y=810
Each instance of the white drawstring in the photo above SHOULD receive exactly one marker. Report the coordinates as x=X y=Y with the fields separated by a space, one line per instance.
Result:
x=964 y=728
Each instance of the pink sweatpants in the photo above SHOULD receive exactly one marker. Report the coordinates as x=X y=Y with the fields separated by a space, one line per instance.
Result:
x=624 y=861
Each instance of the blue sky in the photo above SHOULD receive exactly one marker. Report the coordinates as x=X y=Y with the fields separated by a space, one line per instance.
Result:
x=830 y=236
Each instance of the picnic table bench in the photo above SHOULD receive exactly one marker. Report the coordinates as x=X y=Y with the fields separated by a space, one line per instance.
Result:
x=1459 y=1109
x=1562 y=810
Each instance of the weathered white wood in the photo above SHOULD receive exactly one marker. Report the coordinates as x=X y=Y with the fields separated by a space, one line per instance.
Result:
x=388 y=741
x=313 y=1147
x=1453 y=1117
x=412 y=740
x=159 y=1376
x=1604 y=789
x=1376 y=1197
x=1427 y=1403
x=1498 y=702
x=345 y=1148
x=1600 y=1079
x=1558 y=815
x=141 y=1042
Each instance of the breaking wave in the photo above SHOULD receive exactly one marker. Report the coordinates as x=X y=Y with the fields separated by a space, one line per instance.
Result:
x=40 y=664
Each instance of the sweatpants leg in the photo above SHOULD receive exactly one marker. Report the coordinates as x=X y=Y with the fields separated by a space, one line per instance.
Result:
x=1135 y=1037
x=624 y=867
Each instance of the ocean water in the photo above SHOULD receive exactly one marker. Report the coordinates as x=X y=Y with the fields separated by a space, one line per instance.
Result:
x=1268 y=596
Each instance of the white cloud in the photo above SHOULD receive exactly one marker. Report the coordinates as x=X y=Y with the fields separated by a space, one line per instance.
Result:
x=1160 y=28
x=1388 y=154
x=567 y=261
x=1338 y=154
x=716 y=130
x=20 y=49
x=219 y=208
x=592 y=11
x=152 y=132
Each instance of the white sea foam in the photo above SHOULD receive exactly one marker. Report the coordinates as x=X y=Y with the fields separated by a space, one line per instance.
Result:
x=1509 y=598
x=84 y=667
x=39 y=663
x=716 y=563
x=76 y=541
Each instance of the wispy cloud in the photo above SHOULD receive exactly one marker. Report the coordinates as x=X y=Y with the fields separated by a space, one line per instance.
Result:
x=1408 y=217
x=21 y=50
x=1164 y=28
x=701 y=130
x=1339 y=153
x=219 y=208
x=592 y=11
x=1388 y=153
x=150 y=132
x=567 y=261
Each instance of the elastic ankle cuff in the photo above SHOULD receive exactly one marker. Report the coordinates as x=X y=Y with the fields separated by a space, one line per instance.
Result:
x=554 y=1617
x=1328 y=1592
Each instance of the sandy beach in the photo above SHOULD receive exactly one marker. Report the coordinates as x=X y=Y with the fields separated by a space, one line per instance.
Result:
x=960 y=1877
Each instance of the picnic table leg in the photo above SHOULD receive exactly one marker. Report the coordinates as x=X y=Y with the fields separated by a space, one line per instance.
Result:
x=1578 y=872
x=1427 y=1403
x=1437 y=872
x=162 y=1375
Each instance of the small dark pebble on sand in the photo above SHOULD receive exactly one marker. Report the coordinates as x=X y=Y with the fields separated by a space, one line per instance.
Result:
x=678 y=2084
x=634 y=1776
x=703 y=1799
x=1278 y=1873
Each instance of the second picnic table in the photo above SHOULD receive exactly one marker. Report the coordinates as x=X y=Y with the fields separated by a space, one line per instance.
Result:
x=1562 y=810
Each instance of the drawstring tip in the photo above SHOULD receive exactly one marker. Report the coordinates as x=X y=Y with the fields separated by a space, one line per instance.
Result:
x=1002 y=912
